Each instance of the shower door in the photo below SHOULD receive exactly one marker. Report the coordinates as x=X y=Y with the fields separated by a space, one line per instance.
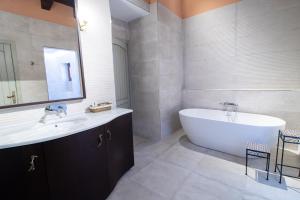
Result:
x=121 y=74
x=8 y=88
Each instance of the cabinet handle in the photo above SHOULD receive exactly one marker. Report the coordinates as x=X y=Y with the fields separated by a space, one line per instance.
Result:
x=100 y=140
x=109 y=134
x=32 y=163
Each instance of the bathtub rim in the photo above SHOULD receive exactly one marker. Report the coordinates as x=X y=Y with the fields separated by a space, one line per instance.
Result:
x=283 y=122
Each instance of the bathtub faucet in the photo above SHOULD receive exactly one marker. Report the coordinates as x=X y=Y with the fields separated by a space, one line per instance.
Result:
x=229 y=107
x=229 y=104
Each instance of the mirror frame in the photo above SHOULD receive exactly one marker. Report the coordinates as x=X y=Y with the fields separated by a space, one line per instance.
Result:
x=81 y=71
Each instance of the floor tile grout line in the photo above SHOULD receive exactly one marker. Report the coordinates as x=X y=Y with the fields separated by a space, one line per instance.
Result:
x=185 y=179
x=140 y=184
x=177 y=165
x=189 y=172
x=143 y=167
x=221 y=182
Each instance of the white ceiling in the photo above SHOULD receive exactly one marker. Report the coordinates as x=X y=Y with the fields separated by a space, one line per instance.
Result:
x=126 y=11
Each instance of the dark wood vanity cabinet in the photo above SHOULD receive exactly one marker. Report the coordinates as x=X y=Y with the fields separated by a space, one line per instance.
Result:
x=63 y=161
x=23 y=173
x=77 y=167
x=35 y=170
x=83 y=166
x=94 y=167
x=12 y=174
x=119 y=148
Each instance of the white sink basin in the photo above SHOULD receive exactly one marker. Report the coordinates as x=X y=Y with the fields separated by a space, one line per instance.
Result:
x=63 y=123
x=15 y=129
x=33 y=127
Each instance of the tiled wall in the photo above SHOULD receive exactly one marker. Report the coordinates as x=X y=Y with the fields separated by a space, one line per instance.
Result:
x=170 y=57
x=252 y=44
x=120 y=30
x=30 y=36
x=144 y=75
x=155 y=62
x=97 y=60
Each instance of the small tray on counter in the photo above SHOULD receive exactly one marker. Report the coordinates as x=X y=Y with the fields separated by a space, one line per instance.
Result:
x=100 y=107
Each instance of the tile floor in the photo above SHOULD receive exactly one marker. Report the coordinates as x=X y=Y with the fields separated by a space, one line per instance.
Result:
x=178 y=170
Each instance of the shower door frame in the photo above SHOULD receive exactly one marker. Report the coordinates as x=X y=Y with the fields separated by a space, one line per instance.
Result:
x=123 y=44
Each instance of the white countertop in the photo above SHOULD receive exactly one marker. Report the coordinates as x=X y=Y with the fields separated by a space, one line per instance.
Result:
x=34 y=132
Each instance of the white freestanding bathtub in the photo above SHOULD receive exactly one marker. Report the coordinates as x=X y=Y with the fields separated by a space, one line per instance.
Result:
x=215 y=130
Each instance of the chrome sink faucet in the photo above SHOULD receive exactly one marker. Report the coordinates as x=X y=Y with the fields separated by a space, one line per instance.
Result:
x=54 y=109
x=57 y=108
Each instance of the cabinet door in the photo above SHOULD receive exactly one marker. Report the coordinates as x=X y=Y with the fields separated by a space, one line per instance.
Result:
x=63 y=167
x=12 y=174
x=119 y=147
x=35 y=171
x=23 y=174
x=94 y=165
x=77 y=166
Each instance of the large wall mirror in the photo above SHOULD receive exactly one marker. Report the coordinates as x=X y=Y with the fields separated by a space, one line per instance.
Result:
x=39 y=52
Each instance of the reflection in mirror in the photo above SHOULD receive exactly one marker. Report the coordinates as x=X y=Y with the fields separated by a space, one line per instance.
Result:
x=8 y=86
x=63 y=75
x=31 y=71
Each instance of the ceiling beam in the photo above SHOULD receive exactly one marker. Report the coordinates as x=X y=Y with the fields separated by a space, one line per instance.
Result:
x=46 y=4
x=66 y=2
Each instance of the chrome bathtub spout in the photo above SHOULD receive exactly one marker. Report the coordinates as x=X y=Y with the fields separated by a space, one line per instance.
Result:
x=229 y=108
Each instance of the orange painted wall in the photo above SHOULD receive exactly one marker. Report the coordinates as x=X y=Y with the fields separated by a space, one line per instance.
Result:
x=173 y=5
x=189 y=8
x=59 y=13
x=151 y=1
x=195 y=7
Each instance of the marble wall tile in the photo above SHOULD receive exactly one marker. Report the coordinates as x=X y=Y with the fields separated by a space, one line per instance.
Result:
x=171 y=69
x=120 y=29
x=144 y=75
x=156 y=71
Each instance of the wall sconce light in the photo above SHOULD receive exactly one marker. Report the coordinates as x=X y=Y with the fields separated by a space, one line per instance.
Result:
x=83 y=25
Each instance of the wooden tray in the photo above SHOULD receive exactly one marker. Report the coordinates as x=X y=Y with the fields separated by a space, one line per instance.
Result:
x=100 y=107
